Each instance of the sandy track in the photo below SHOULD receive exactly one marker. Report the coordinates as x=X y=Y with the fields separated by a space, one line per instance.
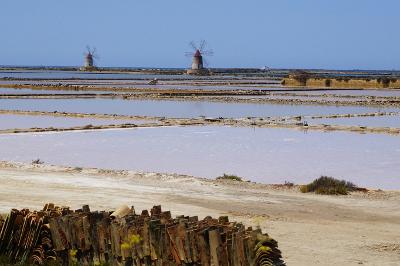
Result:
x=363 y=228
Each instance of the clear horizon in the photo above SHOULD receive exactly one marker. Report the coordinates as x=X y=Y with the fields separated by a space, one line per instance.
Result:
x=359 y=34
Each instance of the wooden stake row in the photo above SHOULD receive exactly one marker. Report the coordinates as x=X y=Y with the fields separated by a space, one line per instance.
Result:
x=83 y=237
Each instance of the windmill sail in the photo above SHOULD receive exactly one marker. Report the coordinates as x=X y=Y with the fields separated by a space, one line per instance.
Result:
x=197 y=67
x=90 y=56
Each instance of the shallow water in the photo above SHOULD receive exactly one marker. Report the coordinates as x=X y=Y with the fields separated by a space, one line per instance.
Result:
x=262 y=155
x=55 y=74
x=30 y=91
x=115 y=85
x=181 y=83
x=369 y=121
x=40 y=74
x=9 y=121
x=172 y=108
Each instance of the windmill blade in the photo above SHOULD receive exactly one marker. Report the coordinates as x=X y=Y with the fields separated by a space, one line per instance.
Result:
x=189 y=54
x=193 y=45
x=203 y=44
x=208 y=53
x=95 y=56
x=95 y=60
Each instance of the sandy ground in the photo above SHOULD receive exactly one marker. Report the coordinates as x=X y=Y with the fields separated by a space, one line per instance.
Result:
x=362 y=228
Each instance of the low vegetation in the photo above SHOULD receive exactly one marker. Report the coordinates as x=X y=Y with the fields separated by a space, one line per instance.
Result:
x=229 y=177
x=288 y=184
x=88 y=126
x=329 y=186
x=37 y=161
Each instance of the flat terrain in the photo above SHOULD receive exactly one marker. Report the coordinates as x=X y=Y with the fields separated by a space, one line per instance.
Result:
x=362 y=228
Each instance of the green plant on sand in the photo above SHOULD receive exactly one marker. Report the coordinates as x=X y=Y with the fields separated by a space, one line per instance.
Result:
x=37 y=161
x=329 y=186
x=229 y=177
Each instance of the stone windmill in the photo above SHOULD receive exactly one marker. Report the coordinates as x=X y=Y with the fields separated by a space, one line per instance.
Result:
x=90 y=57
x=198 y=61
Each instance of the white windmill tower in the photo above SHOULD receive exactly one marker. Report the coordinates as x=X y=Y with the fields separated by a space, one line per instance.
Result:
x=198 y=61
x=90 y=57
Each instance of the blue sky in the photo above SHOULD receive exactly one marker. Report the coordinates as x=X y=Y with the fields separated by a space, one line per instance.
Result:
x=334 y=34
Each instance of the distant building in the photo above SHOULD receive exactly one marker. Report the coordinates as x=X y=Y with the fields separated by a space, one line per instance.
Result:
x=197 y=61
x=90 y=55
x=197 y=65
x=88 y=60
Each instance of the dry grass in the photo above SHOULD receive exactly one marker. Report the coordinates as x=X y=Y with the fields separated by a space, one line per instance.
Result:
x=329 y=186
x=37 y=161
x=229 y=177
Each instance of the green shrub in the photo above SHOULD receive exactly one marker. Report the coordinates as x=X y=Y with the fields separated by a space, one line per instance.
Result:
x=88 y=126
x=37 y=161
x=329 y=186
x=288 y=184
x=229 y=177
x=78 y=169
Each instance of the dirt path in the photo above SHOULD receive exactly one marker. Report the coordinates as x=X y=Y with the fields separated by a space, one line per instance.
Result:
x=363 y=228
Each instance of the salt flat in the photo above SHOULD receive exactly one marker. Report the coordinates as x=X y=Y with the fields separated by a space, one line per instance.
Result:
x=266 y=155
